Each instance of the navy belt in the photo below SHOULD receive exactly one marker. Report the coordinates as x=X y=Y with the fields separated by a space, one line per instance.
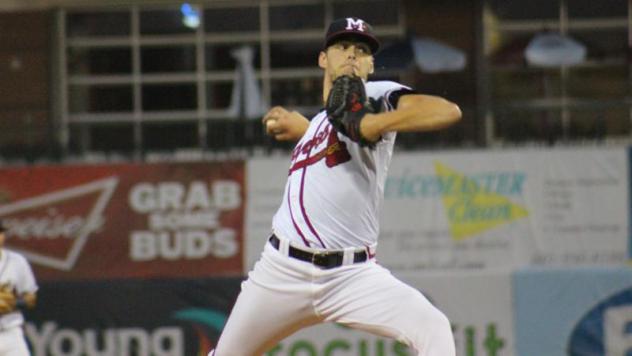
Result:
x=324 y=259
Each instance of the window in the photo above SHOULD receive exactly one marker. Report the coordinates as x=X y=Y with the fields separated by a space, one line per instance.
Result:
x=169 y=97
x=168 y=59
x=223 y=20
x=98 y=24
x=297 y=17
x=100 y=98
x=219 y=56
x=163 y=22
x=573 y=102
x=112 y=60
x=376 y=12
x=141 y=78
x=294 y=54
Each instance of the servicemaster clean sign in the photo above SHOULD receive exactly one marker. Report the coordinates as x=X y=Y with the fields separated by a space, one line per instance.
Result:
x=491 y=209
x=477 y=203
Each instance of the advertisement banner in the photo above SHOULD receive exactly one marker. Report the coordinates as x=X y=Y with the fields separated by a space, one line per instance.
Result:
x=573 y=312
x=265 y=181
x=128 y=220
x=505 y=209
x=182 y=317
x=477 y=304
x=482 y=209
x=130 y=317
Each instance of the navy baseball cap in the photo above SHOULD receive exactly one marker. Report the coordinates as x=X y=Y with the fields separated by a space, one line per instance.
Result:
x=354 y=29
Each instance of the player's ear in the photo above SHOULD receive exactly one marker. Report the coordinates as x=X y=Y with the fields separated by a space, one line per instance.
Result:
x=371 y=66
x=322 y=60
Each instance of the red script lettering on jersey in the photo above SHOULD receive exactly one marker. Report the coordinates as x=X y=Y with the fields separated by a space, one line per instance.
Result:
x=335 y=152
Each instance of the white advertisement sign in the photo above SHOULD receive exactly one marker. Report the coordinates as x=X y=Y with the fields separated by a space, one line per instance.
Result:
x=490 y=209
x=477 y=304
x=265 y=179
x=481 y=209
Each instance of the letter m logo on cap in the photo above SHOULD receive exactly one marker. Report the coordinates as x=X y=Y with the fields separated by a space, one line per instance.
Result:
x=355 y=25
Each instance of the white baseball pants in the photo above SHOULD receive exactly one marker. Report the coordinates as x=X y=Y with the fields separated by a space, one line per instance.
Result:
x=283 y=295
x=12 y=342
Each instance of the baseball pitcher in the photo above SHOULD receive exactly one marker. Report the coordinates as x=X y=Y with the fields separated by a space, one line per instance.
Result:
x=319 y=263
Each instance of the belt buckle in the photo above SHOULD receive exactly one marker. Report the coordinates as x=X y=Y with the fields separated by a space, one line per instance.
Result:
x=327 y=260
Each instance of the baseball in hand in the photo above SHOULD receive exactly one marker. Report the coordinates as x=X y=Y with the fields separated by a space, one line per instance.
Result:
x=269 y=123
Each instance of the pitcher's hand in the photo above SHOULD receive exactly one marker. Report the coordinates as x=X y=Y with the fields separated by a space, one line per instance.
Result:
x=285 y=125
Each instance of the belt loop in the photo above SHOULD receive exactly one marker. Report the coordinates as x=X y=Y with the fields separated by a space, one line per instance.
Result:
x=284 y=247
x=371 y=250
x=348 y=256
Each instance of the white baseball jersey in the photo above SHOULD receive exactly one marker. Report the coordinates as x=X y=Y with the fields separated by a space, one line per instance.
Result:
x=16 y=272
x=332 y=200
x=335 y=187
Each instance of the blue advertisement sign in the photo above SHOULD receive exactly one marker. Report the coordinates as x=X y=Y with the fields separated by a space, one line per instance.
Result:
x=574 y=312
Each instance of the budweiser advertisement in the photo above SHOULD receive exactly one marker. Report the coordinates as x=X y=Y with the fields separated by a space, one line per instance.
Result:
x=127 y=220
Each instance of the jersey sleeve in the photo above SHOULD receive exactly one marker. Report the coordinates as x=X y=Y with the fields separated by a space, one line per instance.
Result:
x=26 y=280
x=389 y=93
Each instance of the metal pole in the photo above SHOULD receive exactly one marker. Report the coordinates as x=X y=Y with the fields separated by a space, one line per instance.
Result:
x=484 y=112
x=565 y=113
x=61 y=112
x=137 y=87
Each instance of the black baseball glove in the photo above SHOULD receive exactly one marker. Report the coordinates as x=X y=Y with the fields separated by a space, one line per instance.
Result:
x=346 y=106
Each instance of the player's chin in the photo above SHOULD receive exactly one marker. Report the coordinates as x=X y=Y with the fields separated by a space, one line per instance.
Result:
x=348 y=71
